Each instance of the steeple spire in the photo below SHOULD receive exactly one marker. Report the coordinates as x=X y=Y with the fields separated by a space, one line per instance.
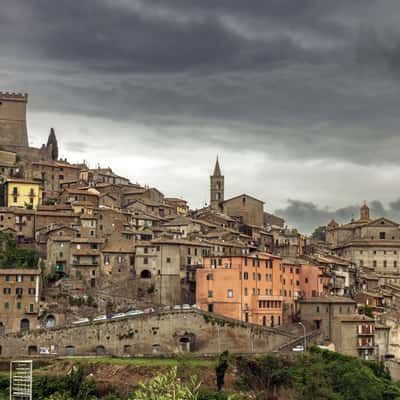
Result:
x=216 y=187
x=217 y=169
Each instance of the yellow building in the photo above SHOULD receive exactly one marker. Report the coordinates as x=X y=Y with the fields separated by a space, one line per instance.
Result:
x=22 y=193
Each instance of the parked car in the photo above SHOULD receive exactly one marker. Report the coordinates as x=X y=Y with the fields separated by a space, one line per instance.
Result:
x=149 y=310
x=118 y=315
x=299 y=348
x=186 y=307
x=81 y=321
x=45 y=351
x=177 y=307
x=100 y=318
x=133 y=312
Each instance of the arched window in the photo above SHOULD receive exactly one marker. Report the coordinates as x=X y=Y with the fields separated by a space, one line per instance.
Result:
x=145 y=274
x=70 y=350
x=50 y=321
x=24 y=325
x=32 y=350
x=210 y=277
x=264 y=320
x=100 y=350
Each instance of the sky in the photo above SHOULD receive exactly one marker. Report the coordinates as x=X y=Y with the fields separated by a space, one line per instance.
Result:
x=299 y=99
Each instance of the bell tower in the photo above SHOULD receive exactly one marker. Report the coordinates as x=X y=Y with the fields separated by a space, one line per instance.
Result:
x=216 y=187
x=364 y=213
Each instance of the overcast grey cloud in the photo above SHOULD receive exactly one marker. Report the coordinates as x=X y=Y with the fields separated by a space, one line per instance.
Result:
x=299 y=98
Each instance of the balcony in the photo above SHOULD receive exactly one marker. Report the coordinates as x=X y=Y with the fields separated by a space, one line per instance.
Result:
x=29 y=310
x=365 y=346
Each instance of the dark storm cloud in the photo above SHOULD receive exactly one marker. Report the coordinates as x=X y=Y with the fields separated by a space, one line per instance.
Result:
x=298 y=81
x=308 y=215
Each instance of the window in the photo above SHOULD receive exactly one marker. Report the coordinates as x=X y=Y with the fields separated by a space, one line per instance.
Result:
x=245 y=276
x=306 y=280
x=145 y=260
x=106 y=260
x=168 y=260
x=7 y=290
x=210 y=293
x=211 y=308
x=230 y=293
x=31 y=309
x=19 y=278
x=374 y=263
x=19 y=306
x=395 y=264
x=19 y=291
x=32 y=278
x=145 y=250
x=6 y=305
x=32 y=291
x=361 y=263
x=189 y=250
x=7 y=278
x=245 y=291
x=317 y=309
x=384 y=263
x=382 y=235
x=210 y=277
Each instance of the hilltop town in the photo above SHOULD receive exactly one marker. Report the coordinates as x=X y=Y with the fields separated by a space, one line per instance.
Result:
x=93 y=264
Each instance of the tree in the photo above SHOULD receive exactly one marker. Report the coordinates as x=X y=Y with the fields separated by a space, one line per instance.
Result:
x=221 y=368
x=53 y=144
x=168 y=387
x=319 y=233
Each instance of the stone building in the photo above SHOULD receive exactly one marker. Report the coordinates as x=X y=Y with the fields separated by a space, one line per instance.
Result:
x=51 y=175
x=13 y=130
x=319 y=312
x=20 y=295
x=8 y=165
x=352 y=334
x=366 y=242
x=19 y=220
x=85 y=259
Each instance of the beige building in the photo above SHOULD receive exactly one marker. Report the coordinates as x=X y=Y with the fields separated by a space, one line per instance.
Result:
x=367 y=243
x=20 y=295
x=337 y=319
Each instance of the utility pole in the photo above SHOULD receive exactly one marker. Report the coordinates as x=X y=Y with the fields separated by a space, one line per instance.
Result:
x=305 y=338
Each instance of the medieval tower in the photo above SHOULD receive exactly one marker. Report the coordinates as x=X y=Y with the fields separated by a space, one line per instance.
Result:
x=13 y=131
x=216 y=187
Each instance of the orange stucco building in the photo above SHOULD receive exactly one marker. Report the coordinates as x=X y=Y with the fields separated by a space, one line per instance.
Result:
x=257 y=288
x=247 y=288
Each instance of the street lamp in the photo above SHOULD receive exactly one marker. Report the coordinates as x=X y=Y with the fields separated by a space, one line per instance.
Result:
x=305 y=339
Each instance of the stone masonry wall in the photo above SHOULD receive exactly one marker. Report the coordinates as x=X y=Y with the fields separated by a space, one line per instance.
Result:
x=147 y=334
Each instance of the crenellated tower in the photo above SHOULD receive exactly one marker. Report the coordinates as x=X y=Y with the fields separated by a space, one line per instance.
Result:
x=13 y=131
x=217 y=185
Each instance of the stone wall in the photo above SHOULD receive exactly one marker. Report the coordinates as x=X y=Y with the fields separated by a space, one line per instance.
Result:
x=13 y=132
x=164 y=333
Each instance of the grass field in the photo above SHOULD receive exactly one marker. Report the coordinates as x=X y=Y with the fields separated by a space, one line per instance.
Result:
x=146 y=362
